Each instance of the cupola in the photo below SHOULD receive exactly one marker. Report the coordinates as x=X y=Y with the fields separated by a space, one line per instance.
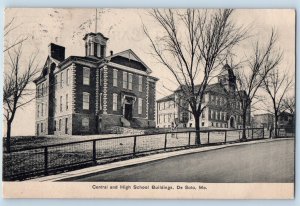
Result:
x=95 y=45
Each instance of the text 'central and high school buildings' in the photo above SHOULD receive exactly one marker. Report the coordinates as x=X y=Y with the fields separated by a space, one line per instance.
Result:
x=90 y=94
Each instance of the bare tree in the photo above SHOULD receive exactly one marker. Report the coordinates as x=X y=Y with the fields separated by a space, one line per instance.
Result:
x=15 y=90
x=289 y=104
x=276 y=85
x=263 y=60
x=194 y=43
x=8 y=28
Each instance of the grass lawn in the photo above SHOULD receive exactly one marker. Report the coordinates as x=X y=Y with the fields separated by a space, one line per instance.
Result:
x=31 y=160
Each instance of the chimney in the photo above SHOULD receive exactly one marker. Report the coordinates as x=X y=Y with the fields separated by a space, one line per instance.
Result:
x=111 y=52
x=56 y=51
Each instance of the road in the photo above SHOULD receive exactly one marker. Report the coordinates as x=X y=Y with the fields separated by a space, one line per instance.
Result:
x=255 y=163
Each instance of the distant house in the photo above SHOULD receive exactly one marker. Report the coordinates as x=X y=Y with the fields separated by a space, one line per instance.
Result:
x=91 y=93
x=167 y=111
x=223 y=106
x=286 y=121
x=265 y=120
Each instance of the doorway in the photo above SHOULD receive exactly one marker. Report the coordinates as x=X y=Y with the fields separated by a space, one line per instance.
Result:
x=232 y=122
x=128 y=111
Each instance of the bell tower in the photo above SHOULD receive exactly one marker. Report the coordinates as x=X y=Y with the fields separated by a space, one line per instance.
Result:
x=95 y=45
x=227 y=78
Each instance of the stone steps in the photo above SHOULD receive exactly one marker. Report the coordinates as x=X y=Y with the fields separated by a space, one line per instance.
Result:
x=126 y=130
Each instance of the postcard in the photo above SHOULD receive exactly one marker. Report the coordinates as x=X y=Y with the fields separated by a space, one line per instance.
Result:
x=149 y=103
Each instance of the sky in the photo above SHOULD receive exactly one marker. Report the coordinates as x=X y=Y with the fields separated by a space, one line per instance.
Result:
x=123 y=27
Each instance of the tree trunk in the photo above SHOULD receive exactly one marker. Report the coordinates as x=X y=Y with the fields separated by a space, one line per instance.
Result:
x=244 y=116
x=197 y=127
x=276 y=125
x=8 y=131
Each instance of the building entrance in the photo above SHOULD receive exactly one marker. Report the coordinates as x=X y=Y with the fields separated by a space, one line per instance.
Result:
x=128 y=111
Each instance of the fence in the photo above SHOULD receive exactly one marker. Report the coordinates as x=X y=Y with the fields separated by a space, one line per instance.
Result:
x=24 y=163
x=284 y=132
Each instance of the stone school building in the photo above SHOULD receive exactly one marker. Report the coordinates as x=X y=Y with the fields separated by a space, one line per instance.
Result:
x=93 y=93
x=222 y=101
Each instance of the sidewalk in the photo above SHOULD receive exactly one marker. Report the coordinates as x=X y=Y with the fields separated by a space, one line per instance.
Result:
x=140 y=160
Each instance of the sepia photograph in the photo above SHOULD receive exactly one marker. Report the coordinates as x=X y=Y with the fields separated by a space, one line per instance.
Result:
x=149 y=103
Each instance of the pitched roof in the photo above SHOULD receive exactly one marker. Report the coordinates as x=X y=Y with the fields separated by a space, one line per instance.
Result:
x=129 y=54
x=217 y=87
x=169 y=97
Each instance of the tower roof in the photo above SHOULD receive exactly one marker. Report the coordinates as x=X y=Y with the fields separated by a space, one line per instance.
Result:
x=94 y=34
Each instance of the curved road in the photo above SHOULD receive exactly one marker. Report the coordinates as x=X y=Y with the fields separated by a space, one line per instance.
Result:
x=255 y=163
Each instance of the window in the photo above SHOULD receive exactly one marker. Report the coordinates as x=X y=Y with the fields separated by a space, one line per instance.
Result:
x=95 y=49
x=130 y=81
x=140 y=83
x=85 y=101
x=86 y=76
x=224 y=116
x=45 y=108
x=38 y=110
x=66 y=126
x=165 y=118
x=54 y=125
x=115 y=78
x=42 y=109
x=61 y=79
x=37 y=91
x=202 y=124
x=125 y=80
x=203 y=113
x=211 y=114
x=60 y=104
x=42 y=129
x=90 y=48
x=59 y=125
x=162 y=106
x=167 y=105
x=102 y=50
x=85 y=123
x=42 y=90
x=67 y=76
x=173 y=104
x=140 y=106
x=115 y=102
x=67 y=102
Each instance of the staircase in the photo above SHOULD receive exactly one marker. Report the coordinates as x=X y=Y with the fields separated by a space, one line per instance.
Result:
x=126 y=130
x=125 y=122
